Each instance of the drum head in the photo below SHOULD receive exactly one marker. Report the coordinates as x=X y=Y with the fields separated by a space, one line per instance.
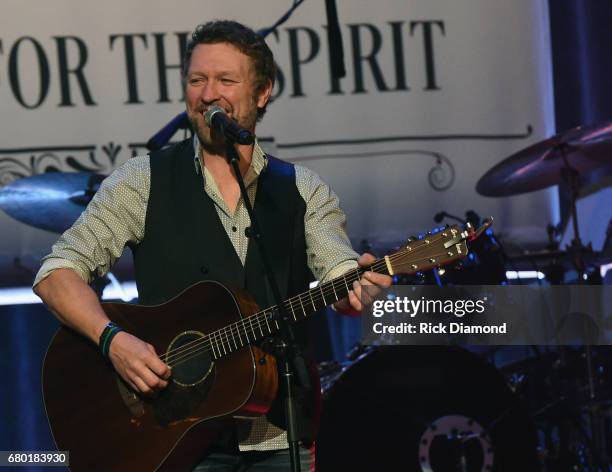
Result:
x=423 y=408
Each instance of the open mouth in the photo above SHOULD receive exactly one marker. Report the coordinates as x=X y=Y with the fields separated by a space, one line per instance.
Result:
x=227 y=112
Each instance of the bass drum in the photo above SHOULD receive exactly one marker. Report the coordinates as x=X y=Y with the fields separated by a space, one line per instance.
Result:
x=423 y=409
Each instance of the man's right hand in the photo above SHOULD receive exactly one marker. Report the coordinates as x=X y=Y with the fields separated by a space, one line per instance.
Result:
x=135 y=360
x=138 y=364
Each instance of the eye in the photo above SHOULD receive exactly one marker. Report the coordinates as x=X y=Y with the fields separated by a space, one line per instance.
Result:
x=227 y=81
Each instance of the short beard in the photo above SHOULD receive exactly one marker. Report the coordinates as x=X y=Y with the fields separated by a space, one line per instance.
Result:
x=215 y=148
x=213 y=144
x=206 y=142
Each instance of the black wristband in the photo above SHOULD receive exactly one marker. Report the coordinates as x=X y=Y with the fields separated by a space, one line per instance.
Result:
x=110 y=331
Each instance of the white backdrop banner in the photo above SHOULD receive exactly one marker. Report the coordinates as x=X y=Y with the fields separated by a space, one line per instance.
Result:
x=436 y=93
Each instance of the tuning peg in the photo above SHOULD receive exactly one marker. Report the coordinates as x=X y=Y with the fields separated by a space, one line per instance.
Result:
x=441 y=271
x=458 y=265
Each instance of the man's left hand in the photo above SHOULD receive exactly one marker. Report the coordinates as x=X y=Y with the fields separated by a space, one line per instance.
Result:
x=358 y=298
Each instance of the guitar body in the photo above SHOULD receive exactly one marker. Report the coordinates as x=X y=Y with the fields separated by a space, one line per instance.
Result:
x=205 y=334
x=105 y=426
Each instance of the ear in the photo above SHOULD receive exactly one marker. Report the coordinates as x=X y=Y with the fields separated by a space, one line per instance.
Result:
x=264 y=95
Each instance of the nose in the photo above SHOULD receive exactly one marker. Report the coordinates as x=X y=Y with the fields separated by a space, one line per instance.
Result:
x=210 y=92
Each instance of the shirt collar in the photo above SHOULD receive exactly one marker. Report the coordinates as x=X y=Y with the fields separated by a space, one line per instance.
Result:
x=258 y=162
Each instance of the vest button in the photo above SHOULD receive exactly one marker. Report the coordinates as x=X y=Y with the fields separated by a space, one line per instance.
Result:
x=234 y=229
x=204 y=269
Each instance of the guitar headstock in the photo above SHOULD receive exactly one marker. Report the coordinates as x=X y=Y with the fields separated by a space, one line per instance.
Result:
x=433 y=250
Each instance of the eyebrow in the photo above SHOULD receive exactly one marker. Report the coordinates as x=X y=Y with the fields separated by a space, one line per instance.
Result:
x=218 y=74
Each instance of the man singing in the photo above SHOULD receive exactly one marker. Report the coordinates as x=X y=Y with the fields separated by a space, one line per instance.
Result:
x=181 y=212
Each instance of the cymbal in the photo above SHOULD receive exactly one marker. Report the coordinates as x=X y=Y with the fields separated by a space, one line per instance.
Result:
x=51 y=201
x=588 y=150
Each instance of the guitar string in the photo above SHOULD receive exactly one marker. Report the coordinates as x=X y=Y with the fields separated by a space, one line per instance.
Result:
x=258 y=320
x=291 y=301
x=206 y=344
x=235 y=328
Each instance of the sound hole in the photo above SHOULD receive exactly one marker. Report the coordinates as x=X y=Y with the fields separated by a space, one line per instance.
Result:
x=190 y=359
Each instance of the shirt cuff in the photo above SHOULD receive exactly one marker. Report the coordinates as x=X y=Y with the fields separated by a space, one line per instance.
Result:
x=339 y=270
x=52 y=264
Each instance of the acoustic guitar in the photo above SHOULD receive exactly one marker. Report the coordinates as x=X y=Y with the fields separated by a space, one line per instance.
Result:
x=206 y=335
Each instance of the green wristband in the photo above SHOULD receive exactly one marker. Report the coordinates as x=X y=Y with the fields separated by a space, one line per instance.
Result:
x=110 y=331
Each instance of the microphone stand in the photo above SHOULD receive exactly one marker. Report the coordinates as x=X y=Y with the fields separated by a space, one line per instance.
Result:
x=287 y=350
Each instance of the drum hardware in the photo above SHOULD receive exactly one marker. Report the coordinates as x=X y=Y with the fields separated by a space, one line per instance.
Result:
x=572 y=160
x=577 y=154
x=554 y=233
x=459 y=431
x=570 y=407
x=392 y=398
x=52 y=201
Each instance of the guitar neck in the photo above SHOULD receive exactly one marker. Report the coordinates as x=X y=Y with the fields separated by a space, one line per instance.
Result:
x=434 y=250
x=266 y=322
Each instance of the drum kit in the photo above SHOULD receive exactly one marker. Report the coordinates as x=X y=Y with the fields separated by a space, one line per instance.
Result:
x=579 y=161
x=437 y=408
x=432 y=409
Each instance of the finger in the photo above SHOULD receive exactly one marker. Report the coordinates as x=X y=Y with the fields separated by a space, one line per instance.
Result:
x=142 y=387
x=132 y=385
x=366 y=259
x=354 y=302
x=379 y=279
x=366 y=278
x=367 y=292
x=370 y=285
x=158 y=382
x=154 y=363
x=357 y=302
x=151 y=379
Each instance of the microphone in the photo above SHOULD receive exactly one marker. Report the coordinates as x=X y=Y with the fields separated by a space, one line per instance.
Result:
x=441 y=215
x=217 y=119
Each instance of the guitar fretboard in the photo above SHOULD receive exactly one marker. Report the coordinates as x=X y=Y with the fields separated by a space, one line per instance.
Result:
x=419 y=254
x=265 y=323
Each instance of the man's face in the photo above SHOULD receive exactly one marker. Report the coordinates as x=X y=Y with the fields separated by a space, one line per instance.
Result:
x=219 y=74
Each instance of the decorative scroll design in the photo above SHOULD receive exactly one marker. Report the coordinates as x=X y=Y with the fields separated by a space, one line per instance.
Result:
x=415 y=137
x=24 y=162
x=440 y=177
